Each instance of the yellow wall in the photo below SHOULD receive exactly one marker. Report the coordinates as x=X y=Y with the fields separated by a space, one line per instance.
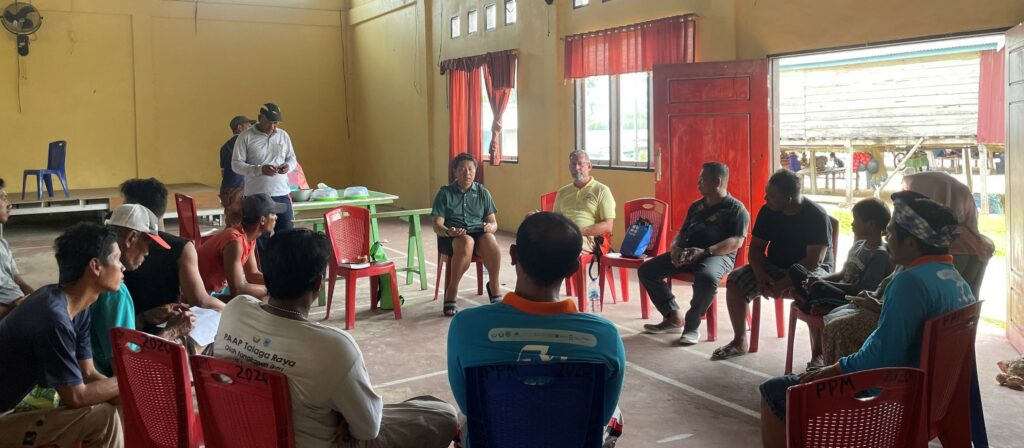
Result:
x=727 y=30
x=141 y=88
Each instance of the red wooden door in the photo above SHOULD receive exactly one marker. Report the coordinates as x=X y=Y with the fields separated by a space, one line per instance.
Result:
x=711 y=112
x=1015 y=184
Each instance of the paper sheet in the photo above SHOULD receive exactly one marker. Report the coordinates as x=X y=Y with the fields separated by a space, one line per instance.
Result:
x=207 y=322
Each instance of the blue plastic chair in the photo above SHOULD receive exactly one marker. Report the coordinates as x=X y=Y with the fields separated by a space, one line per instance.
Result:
x=556 y=404
x=54 y=165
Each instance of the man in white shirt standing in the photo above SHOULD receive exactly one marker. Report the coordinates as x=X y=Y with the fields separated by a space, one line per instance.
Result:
x=264 y=155
x=332 y=398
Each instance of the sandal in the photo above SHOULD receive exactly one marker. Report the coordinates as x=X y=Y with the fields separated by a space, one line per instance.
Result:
x=726 y=352
x=495 y=298
x=450 y=309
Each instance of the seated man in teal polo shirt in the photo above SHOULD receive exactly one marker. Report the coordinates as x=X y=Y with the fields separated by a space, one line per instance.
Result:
x=546 y=251
x=464 y=223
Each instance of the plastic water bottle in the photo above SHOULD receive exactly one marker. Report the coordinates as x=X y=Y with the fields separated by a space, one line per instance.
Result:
x=594 y=294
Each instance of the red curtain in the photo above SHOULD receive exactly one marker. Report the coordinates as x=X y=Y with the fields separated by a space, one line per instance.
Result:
x=464 y=101
x=499 y=80
x=632 y=48
x=992 y=98
x=464 y=107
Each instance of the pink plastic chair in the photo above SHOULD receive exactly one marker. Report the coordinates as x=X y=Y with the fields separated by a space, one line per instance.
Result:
x=348 y=228
x=443 y=266
x=813 y=321
x=155 y=391
x=655 y=211
x=242 y=406
x=947 y=357
x=188 y=219
x=828 y=412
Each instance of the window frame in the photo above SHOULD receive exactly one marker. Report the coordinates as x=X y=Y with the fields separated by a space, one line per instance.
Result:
x=493 y=7
x=455 y=25
x=485 y=154
x=504 y=12
x=471 y=20
x=614 y=124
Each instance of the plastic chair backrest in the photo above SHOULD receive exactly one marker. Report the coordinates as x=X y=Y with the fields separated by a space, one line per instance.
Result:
x=527 y=405
x=188 y=221
x=242 y=406
x=655 y=211
x=547 y=201
x=55 y=156
x=348 y=228
x=830 y=412
x=947 y=356
x=155 y=390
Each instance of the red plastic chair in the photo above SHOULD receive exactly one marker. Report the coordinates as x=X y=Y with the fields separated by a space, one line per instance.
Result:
x=828 y=413
x=348 y=228
x=155 y=391
x=813 y=321
x=242 y=406
x=443 y=261
x=947 y=357
x=711 y=316
x=655 y=211
x=780 y=314
x=188 y=219
x=576 y=282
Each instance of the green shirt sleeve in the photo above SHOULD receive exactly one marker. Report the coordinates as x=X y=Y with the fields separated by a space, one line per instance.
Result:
x=440 y=204
x=112 y=309
x=489 y=207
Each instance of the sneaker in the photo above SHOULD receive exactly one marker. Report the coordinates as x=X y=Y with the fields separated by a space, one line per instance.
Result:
x=689 y=337
x=663 y=327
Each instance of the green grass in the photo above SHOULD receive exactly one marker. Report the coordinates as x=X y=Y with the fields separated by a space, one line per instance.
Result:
x=994 y=227
x=996 y=322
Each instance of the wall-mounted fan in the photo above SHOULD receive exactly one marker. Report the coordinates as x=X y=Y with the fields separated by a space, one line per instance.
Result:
x=21 y=19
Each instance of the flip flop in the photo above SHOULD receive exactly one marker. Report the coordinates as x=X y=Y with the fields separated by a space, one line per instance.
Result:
x=494 y=298
x=451 y=309
x=726 y=352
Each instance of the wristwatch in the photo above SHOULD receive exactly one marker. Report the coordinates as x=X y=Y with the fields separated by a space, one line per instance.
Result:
x=707 y=252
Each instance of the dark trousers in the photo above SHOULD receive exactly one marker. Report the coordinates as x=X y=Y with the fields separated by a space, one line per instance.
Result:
x=707 y=273
x=284 y=221
x=822 y=293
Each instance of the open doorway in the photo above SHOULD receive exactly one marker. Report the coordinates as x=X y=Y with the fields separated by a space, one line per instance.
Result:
x=853 y=122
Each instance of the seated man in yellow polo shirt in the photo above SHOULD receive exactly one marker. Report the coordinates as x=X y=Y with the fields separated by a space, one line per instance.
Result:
x=586 y=202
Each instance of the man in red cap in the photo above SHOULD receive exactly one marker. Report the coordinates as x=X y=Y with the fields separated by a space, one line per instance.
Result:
x=137 y=228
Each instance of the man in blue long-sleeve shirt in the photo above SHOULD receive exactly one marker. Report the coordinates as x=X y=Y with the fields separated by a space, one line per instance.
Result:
x=918 y=237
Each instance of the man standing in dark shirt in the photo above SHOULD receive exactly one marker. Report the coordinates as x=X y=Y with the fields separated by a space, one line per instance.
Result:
x=789 y=230
x=232 y=183
x=45 y=342
x=706 y=246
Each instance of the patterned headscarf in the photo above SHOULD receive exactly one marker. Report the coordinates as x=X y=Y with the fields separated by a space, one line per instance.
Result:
x=907 y=218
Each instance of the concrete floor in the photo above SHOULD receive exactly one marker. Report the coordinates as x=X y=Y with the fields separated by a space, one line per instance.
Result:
x=673 y=396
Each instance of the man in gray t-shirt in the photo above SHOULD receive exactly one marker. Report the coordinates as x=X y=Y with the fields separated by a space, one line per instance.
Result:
x=13 y=288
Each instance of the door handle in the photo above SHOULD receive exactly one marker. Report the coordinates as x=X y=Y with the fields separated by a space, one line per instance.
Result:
x=657 y=163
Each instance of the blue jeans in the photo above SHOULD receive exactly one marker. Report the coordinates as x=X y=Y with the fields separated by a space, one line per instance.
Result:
x=773 y=390
x=284 y=221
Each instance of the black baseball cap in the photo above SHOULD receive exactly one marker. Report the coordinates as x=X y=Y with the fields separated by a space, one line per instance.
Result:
x=271 y=112
x=259 y=205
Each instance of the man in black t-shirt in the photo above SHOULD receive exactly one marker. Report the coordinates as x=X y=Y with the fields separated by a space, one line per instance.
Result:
x=789 y=230
x=45 y=342
x=232 y=183
x=706 y=246
x=166 y=276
